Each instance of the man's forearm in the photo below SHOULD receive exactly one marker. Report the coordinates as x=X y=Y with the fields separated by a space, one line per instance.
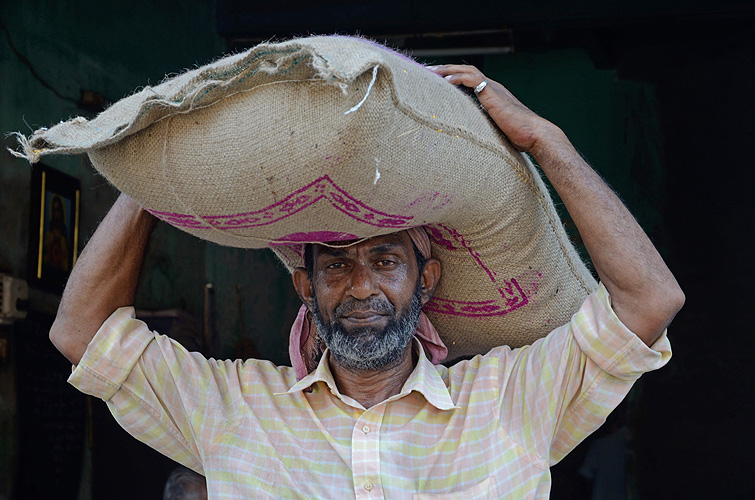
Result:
x=644 y=293
x=104 y=277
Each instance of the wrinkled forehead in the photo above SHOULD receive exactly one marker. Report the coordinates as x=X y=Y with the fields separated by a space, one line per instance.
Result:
x=417 y=235
x=398 y=240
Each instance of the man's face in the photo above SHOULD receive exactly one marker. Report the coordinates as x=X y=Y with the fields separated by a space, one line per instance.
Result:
x=367 y=299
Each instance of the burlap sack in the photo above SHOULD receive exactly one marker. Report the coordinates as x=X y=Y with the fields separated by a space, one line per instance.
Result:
x=338 y=138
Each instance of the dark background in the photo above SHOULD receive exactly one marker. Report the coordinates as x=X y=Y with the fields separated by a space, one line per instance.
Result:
x=658 y=95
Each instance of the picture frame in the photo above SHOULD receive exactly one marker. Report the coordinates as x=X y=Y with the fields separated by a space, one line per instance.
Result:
x=53 y=228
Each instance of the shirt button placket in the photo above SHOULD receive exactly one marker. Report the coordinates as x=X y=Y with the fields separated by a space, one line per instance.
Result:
x=366 y=454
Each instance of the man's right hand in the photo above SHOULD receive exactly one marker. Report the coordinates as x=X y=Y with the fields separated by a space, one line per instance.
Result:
x=104 y=277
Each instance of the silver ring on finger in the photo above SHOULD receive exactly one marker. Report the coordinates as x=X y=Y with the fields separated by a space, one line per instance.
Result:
x=479 y=88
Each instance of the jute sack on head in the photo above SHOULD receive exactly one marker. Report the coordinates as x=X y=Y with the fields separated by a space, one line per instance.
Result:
x=336 y=138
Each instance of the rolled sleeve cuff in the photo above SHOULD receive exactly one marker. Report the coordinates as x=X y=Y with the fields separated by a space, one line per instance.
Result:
x=111 y=355
x=611 y=345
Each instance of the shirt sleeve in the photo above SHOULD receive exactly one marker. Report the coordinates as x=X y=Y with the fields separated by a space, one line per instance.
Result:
x=557 y=391
x=159 y=392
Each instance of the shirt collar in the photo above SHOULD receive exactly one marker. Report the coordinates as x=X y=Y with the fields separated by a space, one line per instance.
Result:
x=424 y=379
x=321 y=374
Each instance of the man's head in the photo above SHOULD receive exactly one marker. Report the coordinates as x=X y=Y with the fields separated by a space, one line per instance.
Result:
x=185 y=484
x=366 y=298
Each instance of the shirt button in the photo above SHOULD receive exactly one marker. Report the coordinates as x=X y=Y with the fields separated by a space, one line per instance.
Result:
x=368 y=486
x=366 y=429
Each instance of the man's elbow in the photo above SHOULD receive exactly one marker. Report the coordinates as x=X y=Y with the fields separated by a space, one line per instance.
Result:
x=648 y=314
x=679 y=300
x=63 y=338
x=673 y=301
x=664 y=307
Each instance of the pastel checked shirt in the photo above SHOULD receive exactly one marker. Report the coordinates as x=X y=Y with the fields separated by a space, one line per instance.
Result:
x=486 y=428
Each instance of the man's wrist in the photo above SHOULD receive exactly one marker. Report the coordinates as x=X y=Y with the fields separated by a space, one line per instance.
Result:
x=548 y=138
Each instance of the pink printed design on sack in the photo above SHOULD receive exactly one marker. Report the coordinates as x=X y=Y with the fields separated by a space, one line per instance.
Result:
x=322 y=188
x=512 y=295
x=433 y=201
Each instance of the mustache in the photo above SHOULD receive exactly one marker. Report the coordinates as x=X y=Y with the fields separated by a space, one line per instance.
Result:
x=372 y=304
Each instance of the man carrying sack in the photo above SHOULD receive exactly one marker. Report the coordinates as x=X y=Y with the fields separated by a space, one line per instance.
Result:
x=376 y=419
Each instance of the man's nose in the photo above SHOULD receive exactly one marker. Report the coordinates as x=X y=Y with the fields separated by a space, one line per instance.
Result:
x=363 y=281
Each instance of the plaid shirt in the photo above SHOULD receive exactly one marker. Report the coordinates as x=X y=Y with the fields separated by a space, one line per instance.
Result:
x=489 y=427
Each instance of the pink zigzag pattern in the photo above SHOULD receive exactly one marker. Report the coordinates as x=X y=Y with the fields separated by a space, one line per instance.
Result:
x=322 y=188
x=512 y=295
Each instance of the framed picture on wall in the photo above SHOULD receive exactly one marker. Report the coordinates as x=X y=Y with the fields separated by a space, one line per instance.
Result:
x=54 y=227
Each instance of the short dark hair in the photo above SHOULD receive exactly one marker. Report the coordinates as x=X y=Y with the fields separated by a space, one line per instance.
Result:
x=309 y=259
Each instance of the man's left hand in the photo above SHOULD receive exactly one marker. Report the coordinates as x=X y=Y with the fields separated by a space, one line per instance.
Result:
x=522 y=126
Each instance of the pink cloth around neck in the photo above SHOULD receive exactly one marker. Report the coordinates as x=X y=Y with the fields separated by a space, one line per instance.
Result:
x=435 y=349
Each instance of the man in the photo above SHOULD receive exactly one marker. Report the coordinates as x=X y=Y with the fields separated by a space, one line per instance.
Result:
x=376 y=419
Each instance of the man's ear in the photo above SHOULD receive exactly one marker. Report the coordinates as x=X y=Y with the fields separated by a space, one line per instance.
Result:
x=430 y=279
x=303 y=287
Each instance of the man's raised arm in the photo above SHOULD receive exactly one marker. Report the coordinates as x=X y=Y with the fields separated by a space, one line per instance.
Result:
x=104 y=277
x=644 y=293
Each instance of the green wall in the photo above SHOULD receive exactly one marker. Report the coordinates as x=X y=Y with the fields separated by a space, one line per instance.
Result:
x=612 y=122
x=112 y=50
x=109 y=48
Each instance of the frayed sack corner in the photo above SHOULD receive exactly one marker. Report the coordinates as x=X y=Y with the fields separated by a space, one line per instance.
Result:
x=25 y=149
x=326 y=72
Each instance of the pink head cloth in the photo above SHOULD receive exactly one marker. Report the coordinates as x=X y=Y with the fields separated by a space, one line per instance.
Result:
x=434 y=347
x=421 y=240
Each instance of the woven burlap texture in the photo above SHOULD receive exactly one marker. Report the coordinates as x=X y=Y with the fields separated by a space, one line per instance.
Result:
x=338 y=138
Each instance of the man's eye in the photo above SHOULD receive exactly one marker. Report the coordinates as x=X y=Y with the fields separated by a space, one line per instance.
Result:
x=385 y=262
x=336 y=265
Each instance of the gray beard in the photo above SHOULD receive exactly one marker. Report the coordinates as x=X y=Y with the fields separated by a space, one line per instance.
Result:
x=367 y=348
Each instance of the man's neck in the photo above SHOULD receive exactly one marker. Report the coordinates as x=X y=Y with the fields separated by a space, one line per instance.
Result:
x=372 y=387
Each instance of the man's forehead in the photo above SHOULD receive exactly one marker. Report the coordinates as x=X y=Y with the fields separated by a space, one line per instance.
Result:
x=391 y=241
